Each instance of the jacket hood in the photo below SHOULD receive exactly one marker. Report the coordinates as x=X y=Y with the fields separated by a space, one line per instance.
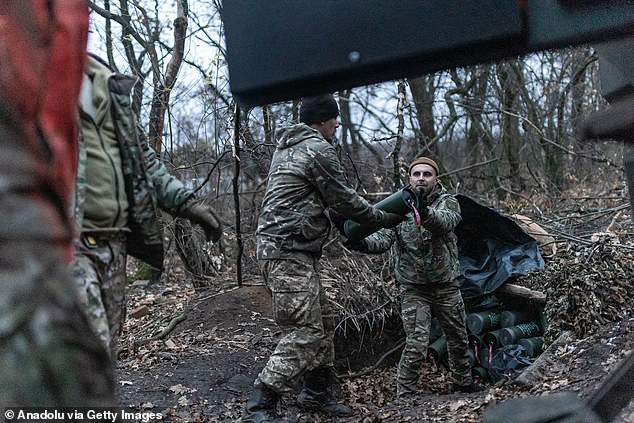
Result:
x=289 y=135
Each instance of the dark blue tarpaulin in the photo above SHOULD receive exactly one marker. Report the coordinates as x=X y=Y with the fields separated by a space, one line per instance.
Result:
x=492 y=248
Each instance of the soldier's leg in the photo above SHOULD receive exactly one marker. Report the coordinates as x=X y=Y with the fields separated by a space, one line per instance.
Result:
x=321 y=385
x=416 y=316
x=113 y=289
x=449 y=308
x=99 y=273
x=294 y=286
x=326 y=354
x=88 y=282
x=49 y=356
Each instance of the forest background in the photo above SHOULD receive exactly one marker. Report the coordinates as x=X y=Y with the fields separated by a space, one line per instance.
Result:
x=505 y=133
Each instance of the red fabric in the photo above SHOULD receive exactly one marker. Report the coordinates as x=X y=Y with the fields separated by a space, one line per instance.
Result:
x=42 y=55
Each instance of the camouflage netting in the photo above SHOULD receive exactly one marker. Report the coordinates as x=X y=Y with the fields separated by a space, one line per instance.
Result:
x=587 y=286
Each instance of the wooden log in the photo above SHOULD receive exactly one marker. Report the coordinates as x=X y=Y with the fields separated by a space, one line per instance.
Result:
x=520 y=291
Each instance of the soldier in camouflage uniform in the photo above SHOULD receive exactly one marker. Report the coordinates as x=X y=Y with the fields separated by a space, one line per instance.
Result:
x=48 y=354
x=426 y=269
x=305 y=179
x=120 y=186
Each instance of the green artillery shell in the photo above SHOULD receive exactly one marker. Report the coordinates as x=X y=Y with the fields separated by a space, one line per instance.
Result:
x=493 y=339
x=533 y=346
x=479 y=372
x=475 y=341
x=483 y=321
x=512 y=318
x=513 y=334
x=485 y=357
x=437 y=351
x=400 y=203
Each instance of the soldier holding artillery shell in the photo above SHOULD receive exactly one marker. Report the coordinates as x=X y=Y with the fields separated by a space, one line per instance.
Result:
x=426 y=269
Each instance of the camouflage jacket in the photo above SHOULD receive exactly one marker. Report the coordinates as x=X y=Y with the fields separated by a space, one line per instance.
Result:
x=148 y=183
x=426 y=254
x=305 y=178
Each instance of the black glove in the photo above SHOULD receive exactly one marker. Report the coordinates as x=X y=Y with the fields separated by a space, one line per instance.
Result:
x=360 y=246
x=423 y=207
x=202 y=214
x=389 y=220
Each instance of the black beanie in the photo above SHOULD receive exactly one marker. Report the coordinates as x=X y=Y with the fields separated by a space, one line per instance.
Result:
x=318 y=109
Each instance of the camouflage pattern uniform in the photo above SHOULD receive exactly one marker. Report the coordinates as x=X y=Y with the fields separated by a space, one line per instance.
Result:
x=426 y=269
x=304 y=179
x=48 y=354
x=120 y=186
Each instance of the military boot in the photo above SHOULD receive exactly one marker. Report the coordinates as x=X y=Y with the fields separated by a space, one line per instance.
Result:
x=316 y=397
x=261 y=407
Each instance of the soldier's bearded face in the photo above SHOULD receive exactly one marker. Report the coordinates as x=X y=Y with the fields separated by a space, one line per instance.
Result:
x=329 y=128
x=423 y=179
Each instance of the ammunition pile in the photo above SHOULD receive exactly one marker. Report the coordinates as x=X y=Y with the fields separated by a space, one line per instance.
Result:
x=488 y=331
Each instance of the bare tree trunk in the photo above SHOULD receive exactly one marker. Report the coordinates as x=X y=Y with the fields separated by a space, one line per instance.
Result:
x=510 y=127
x=236 y=194
x=396 y=154
x=424 y=92
x=163 y=90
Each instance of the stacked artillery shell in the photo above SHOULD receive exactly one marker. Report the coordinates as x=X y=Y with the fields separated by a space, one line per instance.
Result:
x=437 y=350
x=533 y=346
x=479 y=372
x=492 y=339
x=475 y=341
x=512 y=318
x=485 y=357
x=484 y=321
x=493 y=329
x=513 y=334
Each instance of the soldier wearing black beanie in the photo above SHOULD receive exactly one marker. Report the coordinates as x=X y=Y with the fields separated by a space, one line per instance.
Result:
x=318 y=109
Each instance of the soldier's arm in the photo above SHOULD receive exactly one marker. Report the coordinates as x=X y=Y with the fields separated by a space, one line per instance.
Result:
x=444 y=217
x=379 y=242
x=171 y=194
x=331 y=183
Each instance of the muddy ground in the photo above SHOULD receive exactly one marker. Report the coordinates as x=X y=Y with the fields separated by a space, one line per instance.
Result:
x=203 y=369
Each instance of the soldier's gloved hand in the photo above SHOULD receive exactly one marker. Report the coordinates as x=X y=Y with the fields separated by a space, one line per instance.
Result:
x=202 y=214
x=389 y=220
x=423 y=207
x=360 y=246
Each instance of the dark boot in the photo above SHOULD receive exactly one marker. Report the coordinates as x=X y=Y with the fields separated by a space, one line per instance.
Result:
x=261 y=407
x=316 y=397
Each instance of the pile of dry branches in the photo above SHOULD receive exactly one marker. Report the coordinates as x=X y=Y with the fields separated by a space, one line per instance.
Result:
x=361 y=288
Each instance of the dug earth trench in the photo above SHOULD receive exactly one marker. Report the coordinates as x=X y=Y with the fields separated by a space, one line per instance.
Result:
x=213 y=344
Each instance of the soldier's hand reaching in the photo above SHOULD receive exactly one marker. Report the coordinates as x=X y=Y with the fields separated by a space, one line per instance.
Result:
x=202 y=214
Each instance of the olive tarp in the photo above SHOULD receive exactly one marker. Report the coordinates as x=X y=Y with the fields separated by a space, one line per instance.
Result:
x=492 y=249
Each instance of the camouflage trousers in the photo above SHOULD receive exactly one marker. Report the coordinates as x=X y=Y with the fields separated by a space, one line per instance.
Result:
x=418 y=302
x=48 y=354
x=302 y=312
x=100 y=276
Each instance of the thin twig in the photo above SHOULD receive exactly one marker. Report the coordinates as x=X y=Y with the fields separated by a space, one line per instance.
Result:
x=170 y=327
